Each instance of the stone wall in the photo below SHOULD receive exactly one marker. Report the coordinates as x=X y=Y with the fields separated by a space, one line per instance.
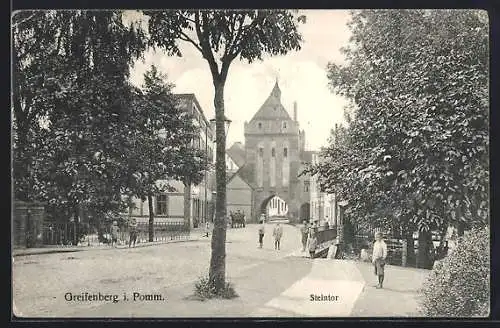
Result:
x=27 y=223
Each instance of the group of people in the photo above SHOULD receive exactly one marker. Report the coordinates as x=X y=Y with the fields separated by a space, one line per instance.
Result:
x=309 y=238
x=133 y=232
x=308 y=235
x=277 y=234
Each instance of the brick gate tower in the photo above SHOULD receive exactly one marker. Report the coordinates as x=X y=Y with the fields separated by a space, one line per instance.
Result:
x=274 y=155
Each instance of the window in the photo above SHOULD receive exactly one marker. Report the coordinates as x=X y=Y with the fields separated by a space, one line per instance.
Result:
x=261 y=152
x=285 y=152
x=161 y=205
x=260 y=125
x=273 y=153
x=284 y=125
x=306 y=186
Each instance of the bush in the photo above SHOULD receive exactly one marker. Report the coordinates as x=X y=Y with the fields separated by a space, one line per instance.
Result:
x=459 y=286
x=204 y=289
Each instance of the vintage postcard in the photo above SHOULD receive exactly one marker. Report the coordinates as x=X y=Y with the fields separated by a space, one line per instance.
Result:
x=250 y=163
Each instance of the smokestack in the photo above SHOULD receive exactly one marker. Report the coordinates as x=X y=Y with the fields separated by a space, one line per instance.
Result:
x=295 y=111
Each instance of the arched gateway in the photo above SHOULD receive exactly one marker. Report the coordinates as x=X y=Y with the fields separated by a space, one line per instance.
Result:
x=274 y=207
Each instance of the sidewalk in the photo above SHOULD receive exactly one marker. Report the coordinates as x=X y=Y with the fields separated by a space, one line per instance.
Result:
x=344 y=288
x=195 y=235
x=398 y=298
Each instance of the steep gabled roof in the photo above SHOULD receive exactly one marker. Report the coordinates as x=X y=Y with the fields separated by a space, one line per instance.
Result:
x=237 y=154
x=272 y=108
x=238 y=173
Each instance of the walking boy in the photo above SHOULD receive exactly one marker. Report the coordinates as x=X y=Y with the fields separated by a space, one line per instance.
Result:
x=277 y=233
x=378 y=258
x=133 y=232
x=114 y=233
x=207 y=228
x=304 y=233
x=313 y=243
x=261 y=233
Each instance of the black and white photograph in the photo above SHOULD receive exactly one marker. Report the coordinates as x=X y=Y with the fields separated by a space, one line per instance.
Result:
x=256 y=163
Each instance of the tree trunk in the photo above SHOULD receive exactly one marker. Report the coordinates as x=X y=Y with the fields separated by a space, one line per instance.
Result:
x=410 y=249
x=460 y=228
x=423 y=259
x=187 y=204
x=75 y=225
x=217 y=273
x=151 y=218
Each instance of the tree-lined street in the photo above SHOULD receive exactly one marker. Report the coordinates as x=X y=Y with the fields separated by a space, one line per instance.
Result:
x=407 y=164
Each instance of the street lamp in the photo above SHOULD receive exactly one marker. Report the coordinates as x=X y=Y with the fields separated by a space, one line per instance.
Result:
x=227 y=122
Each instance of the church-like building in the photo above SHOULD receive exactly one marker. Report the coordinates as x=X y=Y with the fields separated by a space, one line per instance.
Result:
x=271 y=159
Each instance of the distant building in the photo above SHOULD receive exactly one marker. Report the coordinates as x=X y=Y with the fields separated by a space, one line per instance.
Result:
x=239 y=195
x=323 y=205
x=169 y=206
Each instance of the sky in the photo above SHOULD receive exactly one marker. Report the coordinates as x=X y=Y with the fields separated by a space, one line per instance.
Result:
x=301 y=75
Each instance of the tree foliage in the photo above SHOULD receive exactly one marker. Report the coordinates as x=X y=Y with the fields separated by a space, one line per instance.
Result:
x=83 y=135
x=70 y=67
x=160 y=142
x=415 y=152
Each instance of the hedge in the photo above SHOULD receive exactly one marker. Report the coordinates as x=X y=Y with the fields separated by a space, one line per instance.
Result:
x=459 y=286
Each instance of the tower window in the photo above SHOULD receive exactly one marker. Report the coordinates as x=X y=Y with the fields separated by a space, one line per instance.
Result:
x=260 y=125
x=261 y=152
x=285 y=152
x=284 y=125
x=306 y=186
x=273 y=153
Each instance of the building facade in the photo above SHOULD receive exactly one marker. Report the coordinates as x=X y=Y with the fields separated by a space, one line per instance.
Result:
x=323 y=206
x=169 y=206
x=274 y=157
x=239 y=195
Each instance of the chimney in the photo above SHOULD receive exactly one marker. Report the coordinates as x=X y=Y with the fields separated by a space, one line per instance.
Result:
x=295 y=111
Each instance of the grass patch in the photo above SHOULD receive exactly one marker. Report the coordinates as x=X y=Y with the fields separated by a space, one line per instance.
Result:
x=204 y=289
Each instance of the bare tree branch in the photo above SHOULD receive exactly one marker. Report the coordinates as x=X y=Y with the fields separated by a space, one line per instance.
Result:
x=185 y=37
x=205 y=45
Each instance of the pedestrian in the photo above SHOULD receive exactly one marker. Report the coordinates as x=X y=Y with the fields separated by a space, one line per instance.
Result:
x=378 y=258
x=261 y=233
x=133 y=232
x=207 y=228
x=114 y=233
x=304 y=232
x=313 y=243
x=277 y=233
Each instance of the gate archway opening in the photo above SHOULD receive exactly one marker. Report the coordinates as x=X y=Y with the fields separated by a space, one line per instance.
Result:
x=305 y=212
x=274 y=207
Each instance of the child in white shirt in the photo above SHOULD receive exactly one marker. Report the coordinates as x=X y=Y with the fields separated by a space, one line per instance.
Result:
x=378 y=257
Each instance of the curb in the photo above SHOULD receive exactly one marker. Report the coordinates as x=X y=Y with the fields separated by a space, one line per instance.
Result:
x=39 y=251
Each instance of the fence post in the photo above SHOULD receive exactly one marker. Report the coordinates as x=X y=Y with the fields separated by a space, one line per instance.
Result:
x=404 y=253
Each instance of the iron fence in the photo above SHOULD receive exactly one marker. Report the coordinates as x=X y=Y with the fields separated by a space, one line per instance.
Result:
x=85 y=234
